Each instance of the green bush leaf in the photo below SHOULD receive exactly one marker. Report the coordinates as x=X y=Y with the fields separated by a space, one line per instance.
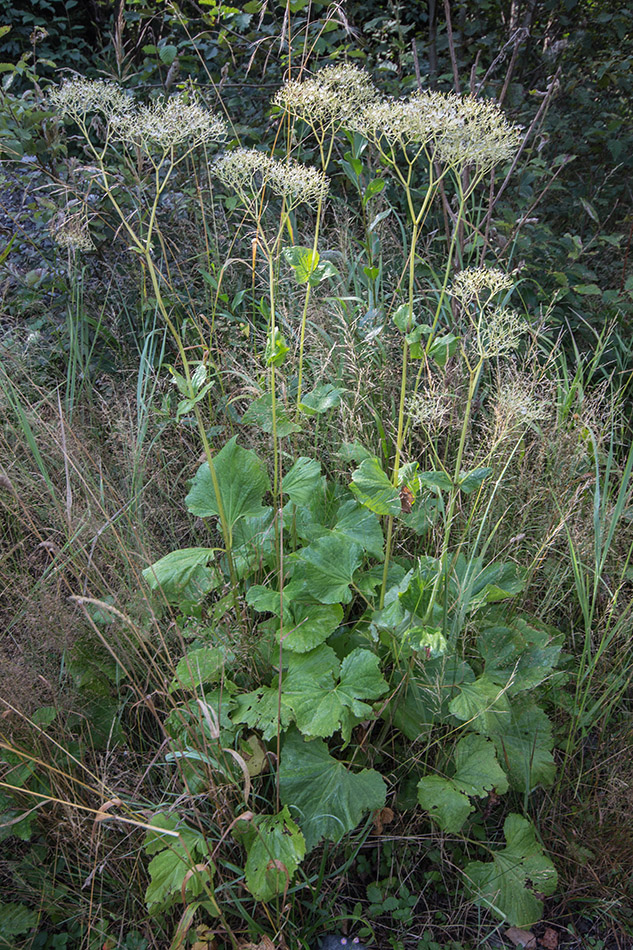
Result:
x=259 y=709
x=308 y=625
x=182 y=574
x=326 y=567
x=275 y=848
x=303 y=261
x=507 y=883
x=360 y=526
x=483 y=704
x=470 y=481
x=15 y=919
x=518 y=653
x=374 y=490
x=242 y=478
x=327 y=799
x=524 y=743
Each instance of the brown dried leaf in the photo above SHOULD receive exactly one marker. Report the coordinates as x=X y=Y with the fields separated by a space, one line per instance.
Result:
x=384 y=816
x=549 y=940
x=521 y=938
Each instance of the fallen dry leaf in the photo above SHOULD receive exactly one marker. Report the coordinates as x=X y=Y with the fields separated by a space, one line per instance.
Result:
x=380 y=818
x=549 y=940
x=521 y=938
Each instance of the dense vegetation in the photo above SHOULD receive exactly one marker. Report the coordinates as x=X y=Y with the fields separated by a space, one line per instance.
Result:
x=315 y=474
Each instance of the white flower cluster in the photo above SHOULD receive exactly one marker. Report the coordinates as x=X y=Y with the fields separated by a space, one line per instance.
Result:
x=168 y=123
x=516 y=403
x=457 y=130
x=328 y=99
x=76 y=98
x=498 y=329
x=71 y=231
x=250 y=173
x=479 y=284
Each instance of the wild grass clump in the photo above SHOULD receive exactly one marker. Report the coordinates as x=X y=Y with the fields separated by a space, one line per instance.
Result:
x=334 y=588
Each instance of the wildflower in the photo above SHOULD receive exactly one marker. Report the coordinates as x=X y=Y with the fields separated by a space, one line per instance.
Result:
x=498 y=331
x=516 y=403
x=75 y=98
x=330 y=98
x=71 y=231
x=458 y=130
x=250 y=173
x=479 y=285
x=168 y=123
x=430 y=408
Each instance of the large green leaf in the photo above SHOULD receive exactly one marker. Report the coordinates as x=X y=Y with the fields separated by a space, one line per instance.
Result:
x=477 y=773
x=182 y=574
x=425 y=696
x=483 y=704
x=275 y=848
x=326 y=567
x=199 y=666
x=302 y=481
x=324 y=701
x=518 y=653
x=320 y=400
x=174 y=858
x=260 y=414
x=15 y=919
x=260 y=710
x=508 y=882
x=327 y=799
x=360 y=526
x=374 y=490
x=242 y=479
x=308 y=625
x=524 y=743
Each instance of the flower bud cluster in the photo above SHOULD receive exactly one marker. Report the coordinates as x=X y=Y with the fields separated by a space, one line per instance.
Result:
x=328 y=99
x=71 y=231
x=168 y=123
x=250 y=173
x=460 y=131
x=76 y=98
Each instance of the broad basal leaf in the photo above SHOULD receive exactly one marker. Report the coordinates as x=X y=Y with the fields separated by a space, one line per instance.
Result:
x=320 y=400
x=302 y=481
x=242 y=479
x=308 y=625
x=260 y=710
x=203 y=665
x=182 y=574
x=483 y=705
x=524 y=743
x=325 y=797
x=508 y=882
x=518 y=653
x=260 y=414
x=174 y=858
x=326 y=567
x=374 y=490
x=275 y=849
x=477 y=773
x=360 y=526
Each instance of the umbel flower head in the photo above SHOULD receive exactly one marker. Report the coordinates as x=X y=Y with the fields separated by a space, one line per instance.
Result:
x=168 y=123
x=71 y=231
x=250 y=173
x=457 y=130
x=479 y=285
x=76 y=98
x=498 y=331
x=328 y=99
